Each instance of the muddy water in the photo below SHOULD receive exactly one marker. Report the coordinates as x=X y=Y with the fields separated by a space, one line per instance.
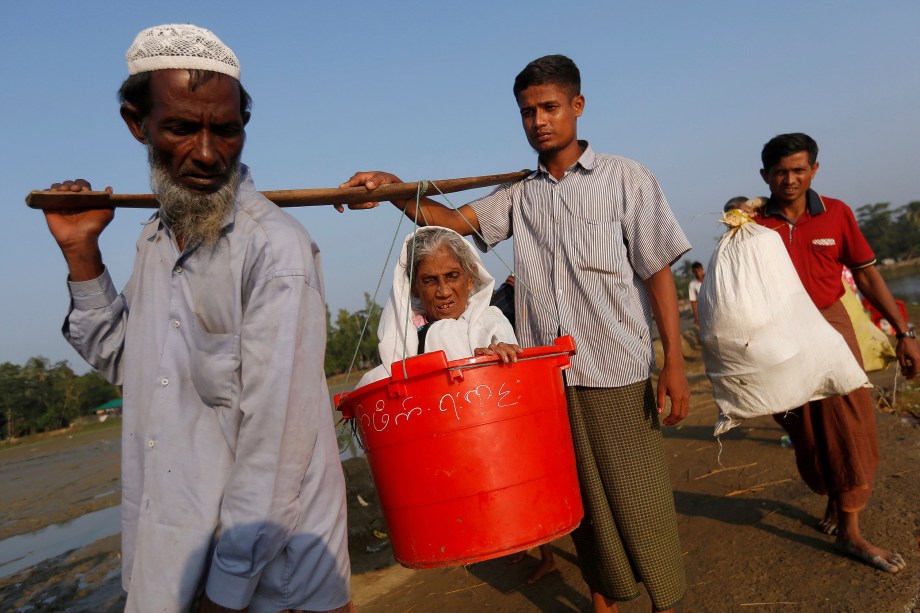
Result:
x=26 y=550
x=905 y=287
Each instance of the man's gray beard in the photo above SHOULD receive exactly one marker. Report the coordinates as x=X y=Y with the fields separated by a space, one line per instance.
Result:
x=193 y=217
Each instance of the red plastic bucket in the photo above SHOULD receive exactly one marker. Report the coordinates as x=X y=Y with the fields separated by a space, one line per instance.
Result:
x=472 y=459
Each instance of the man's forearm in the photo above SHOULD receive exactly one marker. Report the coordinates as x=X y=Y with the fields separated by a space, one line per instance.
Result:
x=672 y=381
x=84 y=264
x=432 y=213
x=77 y=236
x=96 y=324
x=663 y=296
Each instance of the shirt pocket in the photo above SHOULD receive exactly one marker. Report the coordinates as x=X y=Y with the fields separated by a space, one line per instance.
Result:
x=825 y=249
x=215 y=360
x=599 y=246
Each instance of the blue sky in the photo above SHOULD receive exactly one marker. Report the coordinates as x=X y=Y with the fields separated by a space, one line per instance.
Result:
x=692 y=90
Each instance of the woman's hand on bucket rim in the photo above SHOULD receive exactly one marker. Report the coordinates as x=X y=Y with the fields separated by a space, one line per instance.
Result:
x=506 y=351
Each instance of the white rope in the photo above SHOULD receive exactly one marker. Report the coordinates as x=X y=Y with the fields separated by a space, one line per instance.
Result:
x=894 y=388
x=527 y=288
x=373 y=304
x=420 y=189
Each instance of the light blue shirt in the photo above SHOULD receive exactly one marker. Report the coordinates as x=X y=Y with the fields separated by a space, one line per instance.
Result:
x=230 y=468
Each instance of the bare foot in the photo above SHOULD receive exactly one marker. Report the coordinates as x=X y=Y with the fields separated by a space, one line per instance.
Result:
x=887 y=561
x=546 y=566
x=828 y=524
x=602 y=604
x=516 y=558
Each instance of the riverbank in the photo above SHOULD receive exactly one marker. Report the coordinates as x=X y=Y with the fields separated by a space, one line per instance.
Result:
x=908 y=263
x=746 y=526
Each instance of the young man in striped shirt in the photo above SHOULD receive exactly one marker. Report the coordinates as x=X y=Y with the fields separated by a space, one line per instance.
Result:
x=594 y=241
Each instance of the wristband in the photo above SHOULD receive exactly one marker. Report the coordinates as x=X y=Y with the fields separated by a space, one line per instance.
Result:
x=908 y=334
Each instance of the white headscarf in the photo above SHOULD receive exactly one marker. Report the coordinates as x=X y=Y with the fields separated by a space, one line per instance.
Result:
x=480 y=325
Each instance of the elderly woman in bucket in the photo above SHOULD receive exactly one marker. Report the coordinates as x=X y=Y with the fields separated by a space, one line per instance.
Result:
x=449 y=308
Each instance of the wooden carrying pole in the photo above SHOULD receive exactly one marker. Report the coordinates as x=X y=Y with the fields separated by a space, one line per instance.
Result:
x=82 y=201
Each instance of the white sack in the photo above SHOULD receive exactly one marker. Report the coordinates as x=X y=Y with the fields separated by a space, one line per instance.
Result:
x=766 y=347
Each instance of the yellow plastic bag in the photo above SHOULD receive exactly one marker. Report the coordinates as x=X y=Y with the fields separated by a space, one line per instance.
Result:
x=877 y=352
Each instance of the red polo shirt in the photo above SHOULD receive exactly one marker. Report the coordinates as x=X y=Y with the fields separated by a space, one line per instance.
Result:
x=821 y=243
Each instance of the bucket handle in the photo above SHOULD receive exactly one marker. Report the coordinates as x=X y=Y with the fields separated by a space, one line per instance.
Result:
x=562 y=350
x=347 y=410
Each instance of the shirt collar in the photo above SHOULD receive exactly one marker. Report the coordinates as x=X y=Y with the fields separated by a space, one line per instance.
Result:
x=585 y=160
x=813 y=204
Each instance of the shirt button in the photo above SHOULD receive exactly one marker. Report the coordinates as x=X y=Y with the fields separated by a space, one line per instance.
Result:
x=176 y=324
x=178 y=270
x=151 y=443
x=559 y=292
x=164 y=381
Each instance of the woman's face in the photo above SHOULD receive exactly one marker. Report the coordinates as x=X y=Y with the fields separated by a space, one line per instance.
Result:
x=442 y=285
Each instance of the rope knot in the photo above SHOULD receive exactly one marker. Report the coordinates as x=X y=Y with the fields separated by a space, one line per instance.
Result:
x=422 y=189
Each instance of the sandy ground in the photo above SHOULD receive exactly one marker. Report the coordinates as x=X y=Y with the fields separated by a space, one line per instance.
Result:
x=747 y=528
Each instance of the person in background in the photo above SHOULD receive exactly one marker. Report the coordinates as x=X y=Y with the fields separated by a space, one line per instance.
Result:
x=503 y=298
x=233 y=497
x=693 y=290
x=738 y=202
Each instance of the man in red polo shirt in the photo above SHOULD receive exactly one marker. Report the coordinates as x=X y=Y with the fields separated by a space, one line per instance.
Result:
x=835 y=439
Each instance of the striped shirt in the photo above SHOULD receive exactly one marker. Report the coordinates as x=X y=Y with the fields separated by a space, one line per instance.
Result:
x=584 y=246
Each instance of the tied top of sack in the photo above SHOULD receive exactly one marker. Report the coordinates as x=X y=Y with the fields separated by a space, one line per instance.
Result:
x=744 y=213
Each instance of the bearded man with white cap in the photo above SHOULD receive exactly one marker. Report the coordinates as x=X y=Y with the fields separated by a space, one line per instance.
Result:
x=233 y=494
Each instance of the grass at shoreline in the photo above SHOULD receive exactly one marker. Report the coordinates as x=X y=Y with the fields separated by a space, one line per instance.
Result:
x=52 y=434
x=898 y=270
x=900 y=264
x=337 y=382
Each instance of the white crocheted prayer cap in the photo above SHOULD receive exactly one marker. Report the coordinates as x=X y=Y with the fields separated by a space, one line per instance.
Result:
x=182 y=46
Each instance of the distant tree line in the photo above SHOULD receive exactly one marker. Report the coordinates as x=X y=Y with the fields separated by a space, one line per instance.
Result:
x=343 y=334
x=682 y=275
x=892 y=233
x=42 y=396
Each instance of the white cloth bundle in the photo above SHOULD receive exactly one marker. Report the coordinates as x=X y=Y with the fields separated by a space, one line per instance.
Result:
x=480 y=325
x=766 y=347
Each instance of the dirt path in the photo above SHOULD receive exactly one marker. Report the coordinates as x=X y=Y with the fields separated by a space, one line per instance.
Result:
x=747 y=530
